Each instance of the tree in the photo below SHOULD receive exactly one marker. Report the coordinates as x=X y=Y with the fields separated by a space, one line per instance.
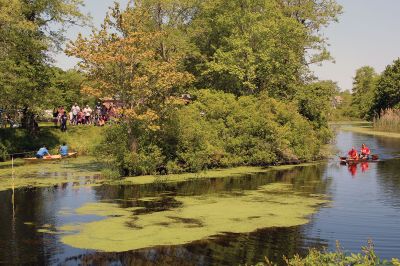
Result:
x=125 y=60
x=388 y=89
x=315 y=101
x=364 y=87
x=29 y=30
x=247 y=46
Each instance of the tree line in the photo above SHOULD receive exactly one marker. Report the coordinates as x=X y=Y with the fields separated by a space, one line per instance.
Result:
x=373 y=93
x=255 y=54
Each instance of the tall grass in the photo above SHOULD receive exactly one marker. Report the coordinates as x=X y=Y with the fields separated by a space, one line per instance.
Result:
x=389 y=120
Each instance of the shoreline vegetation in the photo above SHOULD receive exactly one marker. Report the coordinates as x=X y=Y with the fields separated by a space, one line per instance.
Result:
x=369 y=130
x=86 y=171
x=367 y=257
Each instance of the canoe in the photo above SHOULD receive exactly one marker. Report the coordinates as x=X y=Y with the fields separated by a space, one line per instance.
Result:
x=52 y=157
x=346 y=160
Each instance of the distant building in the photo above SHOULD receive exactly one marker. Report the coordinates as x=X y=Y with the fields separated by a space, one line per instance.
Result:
x=337 y=101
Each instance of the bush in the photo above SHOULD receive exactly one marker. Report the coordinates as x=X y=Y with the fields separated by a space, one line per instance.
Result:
x=215 y=130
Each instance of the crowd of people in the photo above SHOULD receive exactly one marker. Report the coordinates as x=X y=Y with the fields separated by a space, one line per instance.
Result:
x=97 y=116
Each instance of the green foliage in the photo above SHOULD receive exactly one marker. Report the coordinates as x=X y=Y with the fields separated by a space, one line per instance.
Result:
x=368 y=257
x=387 y=91
x=342 y=109
x=25 y=71
x=315 y=101
x=216 y=130
x=364 y=89
x=245 y=47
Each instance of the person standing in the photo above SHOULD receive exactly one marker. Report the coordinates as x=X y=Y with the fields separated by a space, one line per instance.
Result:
x=75 y=111
x=88 y=113
x=64 y=119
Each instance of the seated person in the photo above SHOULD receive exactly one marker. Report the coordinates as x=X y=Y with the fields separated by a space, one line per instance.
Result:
x=353 y=154
x=42 y=152
x=365 y=152
x=63 y=150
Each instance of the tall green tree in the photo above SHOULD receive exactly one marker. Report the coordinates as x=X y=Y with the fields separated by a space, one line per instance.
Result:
x=29 y=30
x=249 y=46
x=364 y=88
x=315 y=101
x=388 y=89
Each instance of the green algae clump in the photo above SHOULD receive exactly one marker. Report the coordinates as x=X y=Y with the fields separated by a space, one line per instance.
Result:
x=46 y=174
x=198 y=217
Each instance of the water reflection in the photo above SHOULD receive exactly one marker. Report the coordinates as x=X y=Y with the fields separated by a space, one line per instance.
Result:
x=355 y=167
x=364 y=207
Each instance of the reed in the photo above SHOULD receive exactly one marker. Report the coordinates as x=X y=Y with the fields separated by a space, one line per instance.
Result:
x=389 y=120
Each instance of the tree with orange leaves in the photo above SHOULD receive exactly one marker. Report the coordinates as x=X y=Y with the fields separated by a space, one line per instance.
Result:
x=123 y=60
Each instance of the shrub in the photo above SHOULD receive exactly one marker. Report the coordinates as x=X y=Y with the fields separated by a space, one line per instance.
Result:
x=216 y=130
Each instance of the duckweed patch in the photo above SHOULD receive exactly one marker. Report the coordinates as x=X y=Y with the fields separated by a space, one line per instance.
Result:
x=46 y=174
x=197 y=217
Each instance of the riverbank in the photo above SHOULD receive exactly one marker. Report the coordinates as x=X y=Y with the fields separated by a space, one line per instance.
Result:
x=369 y=130
x=80 y=138
x=85 y=170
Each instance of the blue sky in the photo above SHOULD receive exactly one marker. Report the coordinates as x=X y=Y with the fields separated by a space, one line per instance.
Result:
x=367 y=34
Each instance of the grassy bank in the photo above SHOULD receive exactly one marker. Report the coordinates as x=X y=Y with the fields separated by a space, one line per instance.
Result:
x=369 y=130
x=80 y=138
x=388 y=121
x=367 y=257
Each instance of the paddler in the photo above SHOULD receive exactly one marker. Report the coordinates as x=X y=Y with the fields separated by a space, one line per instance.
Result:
x=353 y=155
x=365 y=152
x=63 y=150
x=42 y=152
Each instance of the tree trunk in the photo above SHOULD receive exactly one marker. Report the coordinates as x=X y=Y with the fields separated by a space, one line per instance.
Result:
x=28 y=122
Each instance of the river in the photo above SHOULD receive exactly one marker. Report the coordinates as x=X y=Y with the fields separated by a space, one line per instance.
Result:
x=360 y=203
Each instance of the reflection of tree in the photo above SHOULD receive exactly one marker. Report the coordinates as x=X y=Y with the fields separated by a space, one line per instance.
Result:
x=307 y=179
x=229 y=249
x=21 y=243
x=388 y=176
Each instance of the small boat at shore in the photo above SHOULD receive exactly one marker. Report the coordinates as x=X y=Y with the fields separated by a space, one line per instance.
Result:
x=51 y=158
x=347 y=160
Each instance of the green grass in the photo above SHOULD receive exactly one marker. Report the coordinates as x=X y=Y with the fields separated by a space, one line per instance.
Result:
x=80 y=138
x=372 y=131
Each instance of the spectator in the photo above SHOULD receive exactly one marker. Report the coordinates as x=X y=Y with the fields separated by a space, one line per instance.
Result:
x=75 y=111
x=88 y=113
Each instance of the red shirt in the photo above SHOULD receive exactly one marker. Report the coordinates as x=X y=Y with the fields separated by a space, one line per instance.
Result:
x=365 y=151
x=353 y=153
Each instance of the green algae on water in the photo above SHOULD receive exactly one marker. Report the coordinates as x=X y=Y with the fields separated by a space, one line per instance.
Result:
x=198 y=217
x=46 y=174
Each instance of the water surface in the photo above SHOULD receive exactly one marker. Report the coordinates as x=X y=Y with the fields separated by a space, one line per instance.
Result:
x=365 y=203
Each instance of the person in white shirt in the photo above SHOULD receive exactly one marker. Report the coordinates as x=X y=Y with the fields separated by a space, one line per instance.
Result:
x=75 y=110
x=87 y=111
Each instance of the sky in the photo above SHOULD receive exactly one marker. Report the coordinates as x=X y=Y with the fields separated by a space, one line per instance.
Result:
x=367 y=34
